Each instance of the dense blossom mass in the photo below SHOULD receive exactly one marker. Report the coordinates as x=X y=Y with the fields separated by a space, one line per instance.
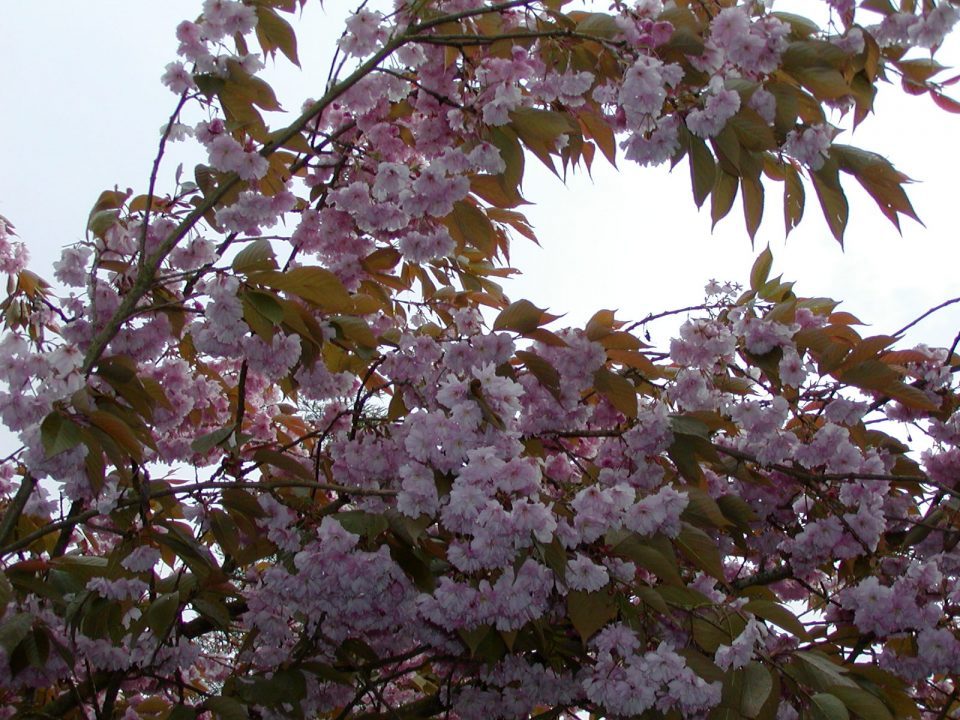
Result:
x=288 y=450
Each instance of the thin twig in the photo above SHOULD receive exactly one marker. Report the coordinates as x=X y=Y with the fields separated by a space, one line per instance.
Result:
x=186 y=490
x=928 y=313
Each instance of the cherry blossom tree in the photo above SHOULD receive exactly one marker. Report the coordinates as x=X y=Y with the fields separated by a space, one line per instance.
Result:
x=289 y=450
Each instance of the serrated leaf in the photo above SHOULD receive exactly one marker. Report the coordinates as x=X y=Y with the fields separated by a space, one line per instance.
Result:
x=600 y=325
x=521 y=316
x=779 y=616
x=182 y=712
x=13 y=630
x=862 y=703
x=213 y=610
x=6 y=590
x=824 y=706
x=265 y=304
x=599 y=25
x=511 y=152
x=205 y=443
x=474 y=636
x=832 y=199
x=756 y=687
x=542 y=370
x=59 y=433
x=644 y=554
x=723 y=195
x=355 y=329
x=102 y=221
x=761 y=269
x=823 y=672
x=752 y=197
x=470 y=226
x=799 y=25
x=274 y=32
x=162 y=613
x=621 y=393
x=703 y=509
x=590 y=611
x=257 y=255
x=314 y=284
x=119 y=432
x=362 y=523
x=284 y=462
x=703 y=168
x=227 y=708
x=794 y=197
x=701 y=550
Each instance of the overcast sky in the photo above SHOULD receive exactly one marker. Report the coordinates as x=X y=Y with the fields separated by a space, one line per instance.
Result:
x=83 y=109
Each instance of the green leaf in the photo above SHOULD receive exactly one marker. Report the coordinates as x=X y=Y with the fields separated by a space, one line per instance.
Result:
x=683 y=597
x=6 y=590
x=14 y=629
x=812 y=54
x=701 y=550
x=824 y=83
x=512 y=154
x=779 y=616
x=118 y=431
x=362 y=523
x=621 y=393
x=824 y=706
x=213 y=610
x=590 y=611
x=752 y=204
x=258 y=255
x=723 y=195
x=266 y=304
x=540 y=130
x=274 y=32
x=314 y=284
x=760 y=271
x=703 y=509
x=59 y=433
x=521 y=316
x=756 y=688
x=470 y=226
x=355 y=329
x=862 y=703
x=472 y=638
x=799 y=25
x=737 y=510
x=542 y=370
x=821 y=671
x=249 y=87
x=599 y=25
x=102 y=221
x=644 y=554
x=879 y=178
x=162 y=613
x=182 y=712
x=832 y=199
x=284 y=462
x=794 y=197
x=205 y=443
x=227 y=708
x=703 y=168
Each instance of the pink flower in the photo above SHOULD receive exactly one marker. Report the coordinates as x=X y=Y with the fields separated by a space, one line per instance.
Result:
x=178 y=78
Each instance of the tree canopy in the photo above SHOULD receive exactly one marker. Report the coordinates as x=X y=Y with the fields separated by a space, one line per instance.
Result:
x=289 y=450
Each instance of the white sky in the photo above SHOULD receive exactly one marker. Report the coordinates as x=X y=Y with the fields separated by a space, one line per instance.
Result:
x=83 y=108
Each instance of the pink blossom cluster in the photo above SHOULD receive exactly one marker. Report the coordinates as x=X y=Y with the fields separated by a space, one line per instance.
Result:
x=628 y=683
x=390 y=493
x=13 y=255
